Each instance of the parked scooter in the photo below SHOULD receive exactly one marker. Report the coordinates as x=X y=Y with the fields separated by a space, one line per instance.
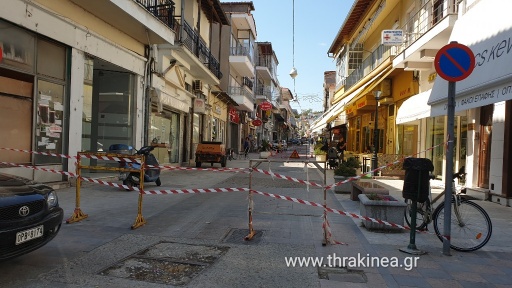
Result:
x=151 y=174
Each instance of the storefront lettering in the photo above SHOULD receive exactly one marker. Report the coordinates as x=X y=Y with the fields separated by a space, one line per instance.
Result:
x=495 y=52
x=484 y=96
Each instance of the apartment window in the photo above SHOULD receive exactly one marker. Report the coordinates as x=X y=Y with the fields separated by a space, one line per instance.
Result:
x=355 y=56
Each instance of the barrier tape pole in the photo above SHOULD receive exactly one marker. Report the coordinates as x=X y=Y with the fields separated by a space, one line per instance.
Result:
x=78 y=214
x=250 y=207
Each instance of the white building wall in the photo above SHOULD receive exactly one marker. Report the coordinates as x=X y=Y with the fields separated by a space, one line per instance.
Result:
x=76 y=105
x=498 y=133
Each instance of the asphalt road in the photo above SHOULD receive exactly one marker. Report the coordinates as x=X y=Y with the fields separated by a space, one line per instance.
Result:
x=103 y=251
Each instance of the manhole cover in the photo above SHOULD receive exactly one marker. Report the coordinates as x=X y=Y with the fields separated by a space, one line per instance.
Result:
x=237 y=236
x=342 y=274
x=167 y=263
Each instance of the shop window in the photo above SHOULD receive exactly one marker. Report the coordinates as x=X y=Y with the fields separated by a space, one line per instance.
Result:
x=18 y=47
x=51 y=59
x=435 y=137
x=49 y=122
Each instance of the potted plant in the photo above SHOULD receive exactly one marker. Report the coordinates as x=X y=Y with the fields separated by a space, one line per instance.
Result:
x=320 y=154
x=265 y=149
x=342 y=173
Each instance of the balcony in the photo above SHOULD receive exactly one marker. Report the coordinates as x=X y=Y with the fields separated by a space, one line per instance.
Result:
x=428 y=29
x=265 y=67
x=242 y=97
x=263 y=92
x=240 y=59
x=141 y=19
x=377 y=57
x=193 y=54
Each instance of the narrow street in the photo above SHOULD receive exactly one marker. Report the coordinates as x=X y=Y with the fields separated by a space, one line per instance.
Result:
x=197 y=239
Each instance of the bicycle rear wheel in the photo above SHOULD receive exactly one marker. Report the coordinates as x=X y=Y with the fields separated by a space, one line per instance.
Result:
x=472 y=233
x=421 y=214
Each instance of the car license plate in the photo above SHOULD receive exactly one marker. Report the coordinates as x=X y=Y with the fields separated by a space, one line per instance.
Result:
x=29 y=234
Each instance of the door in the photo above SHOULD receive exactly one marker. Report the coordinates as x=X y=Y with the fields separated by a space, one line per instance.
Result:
x=484 y=152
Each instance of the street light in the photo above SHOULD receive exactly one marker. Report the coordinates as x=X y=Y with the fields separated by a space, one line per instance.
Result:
x=375 y=159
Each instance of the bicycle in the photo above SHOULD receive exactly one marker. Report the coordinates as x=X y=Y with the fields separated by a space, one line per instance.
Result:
x=471 y=226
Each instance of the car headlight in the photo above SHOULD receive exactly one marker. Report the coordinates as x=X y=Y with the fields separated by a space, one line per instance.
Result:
x=51 y=200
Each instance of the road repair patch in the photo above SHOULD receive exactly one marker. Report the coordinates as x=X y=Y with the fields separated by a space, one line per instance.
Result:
x=166 y=263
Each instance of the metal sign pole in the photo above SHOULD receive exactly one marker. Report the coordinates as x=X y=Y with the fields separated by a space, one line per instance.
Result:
x=454 y=62
x=449 y=169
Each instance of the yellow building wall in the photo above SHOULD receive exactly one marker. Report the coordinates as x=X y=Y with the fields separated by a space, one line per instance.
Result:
x=82 y=17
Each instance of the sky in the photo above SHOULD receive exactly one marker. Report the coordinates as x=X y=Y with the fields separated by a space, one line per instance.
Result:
x=316 y=25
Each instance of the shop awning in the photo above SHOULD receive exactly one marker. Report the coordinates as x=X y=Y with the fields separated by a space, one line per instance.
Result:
x=491 y=80
x=335 y=110
x=414 y=108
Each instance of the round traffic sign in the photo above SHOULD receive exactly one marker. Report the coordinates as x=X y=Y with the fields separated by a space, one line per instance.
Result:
x=256 y=122
x=265 y=106
x=454 y=62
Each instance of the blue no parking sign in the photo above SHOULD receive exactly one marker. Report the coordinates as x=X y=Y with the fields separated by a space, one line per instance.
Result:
x=454 y=62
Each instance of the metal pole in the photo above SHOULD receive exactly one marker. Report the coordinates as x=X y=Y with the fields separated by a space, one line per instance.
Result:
x=449 y=169
x=375 y=159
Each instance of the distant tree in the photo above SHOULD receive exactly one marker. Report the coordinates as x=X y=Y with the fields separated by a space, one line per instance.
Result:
x=306 y=112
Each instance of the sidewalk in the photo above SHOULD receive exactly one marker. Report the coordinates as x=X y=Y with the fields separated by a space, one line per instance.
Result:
x=491 y=266
x=293 y=229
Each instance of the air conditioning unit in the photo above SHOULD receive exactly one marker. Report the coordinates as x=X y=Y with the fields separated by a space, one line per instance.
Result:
x=197 y=85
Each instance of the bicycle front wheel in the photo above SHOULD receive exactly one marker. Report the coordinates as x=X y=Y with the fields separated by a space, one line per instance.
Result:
x=473 y=230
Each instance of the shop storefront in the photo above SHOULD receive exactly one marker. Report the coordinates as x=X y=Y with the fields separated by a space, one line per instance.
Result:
x=34 y=82
x=164 y=135
x=234 y=129
x=484 y=99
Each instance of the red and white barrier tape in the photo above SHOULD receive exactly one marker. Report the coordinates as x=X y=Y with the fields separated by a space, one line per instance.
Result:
x=40 y=168
x=215 y=190
x=39 y=153
x=327 y=229
x=270 y=173
x=315 y=204
x=193 y=191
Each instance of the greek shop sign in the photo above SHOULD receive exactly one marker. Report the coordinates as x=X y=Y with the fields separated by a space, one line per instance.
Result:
x=477 y=99
x=491 y=80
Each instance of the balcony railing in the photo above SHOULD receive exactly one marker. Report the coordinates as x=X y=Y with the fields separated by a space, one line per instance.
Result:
x=237 y=90
x=196 y=45
x=265 y=61
x=369 y=64
x=161 y=9
x=263 y=90
x=164 y=10
x=426 y=17
x=239 y=50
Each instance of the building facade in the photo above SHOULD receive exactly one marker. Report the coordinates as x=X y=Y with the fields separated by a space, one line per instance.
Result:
x=92 y=74
x=411 y=108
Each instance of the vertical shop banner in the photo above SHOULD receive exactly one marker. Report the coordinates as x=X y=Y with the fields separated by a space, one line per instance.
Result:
x=199 y=106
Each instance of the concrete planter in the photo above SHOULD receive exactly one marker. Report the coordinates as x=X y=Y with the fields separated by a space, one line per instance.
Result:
x=321 y=157
x=391 y=211
x=264 y=154
x=343 y=188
